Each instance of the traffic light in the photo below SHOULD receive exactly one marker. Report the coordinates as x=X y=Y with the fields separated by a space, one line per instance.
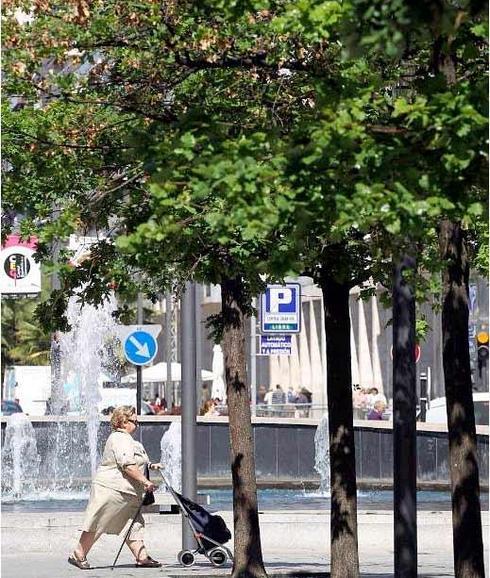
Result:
x=482 y=345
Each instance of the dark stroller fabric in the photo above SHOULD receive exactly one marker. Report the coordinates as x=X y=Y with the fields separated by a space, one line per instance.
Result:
x=211 y=525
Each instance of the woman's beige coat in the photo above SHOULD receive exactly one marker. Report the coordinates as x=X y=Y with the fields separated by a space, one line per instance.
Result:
x=115 y=497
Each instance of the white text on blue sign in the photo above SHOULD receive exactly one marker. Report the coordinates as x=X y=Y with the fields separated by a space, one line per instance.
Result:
x=281 y=309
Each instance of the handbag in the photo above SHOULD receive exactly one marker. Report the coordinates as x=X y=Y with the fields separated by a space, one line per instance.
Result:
x=149 y=497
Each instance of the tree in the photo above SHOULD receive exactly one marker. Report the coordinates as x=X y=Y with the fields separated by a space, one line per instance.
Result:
x=171 y=124
x=465 y=484
x=444 y=114
x=154 y=73
x=28 y=343
x=343 y=523
x=193 y=53
x=402 y=153
x=24 y=341
x=216 y=214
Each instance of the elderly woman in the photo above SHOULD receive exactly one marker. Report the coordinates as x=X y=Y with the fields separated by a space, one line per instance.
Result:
x=117 y=492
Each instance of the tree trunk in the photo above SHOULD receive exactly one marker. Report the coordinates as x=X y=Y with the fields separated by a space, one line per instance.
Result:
x=248 y=552
x=463 y=464
x=343 y=518
x=404 y=423
x=465 y=487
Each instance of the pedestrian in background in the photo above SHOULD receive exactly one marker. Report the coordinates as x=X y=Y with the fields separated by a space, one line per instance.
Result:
x=377 y=412
x=261 y=393
x=209 y=408
x=291 y=395
x=278 y=400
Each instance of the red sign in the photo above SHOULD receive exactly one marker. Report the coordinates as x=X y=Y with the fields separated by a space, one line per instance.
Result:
x=417 y=350
x=19 y=273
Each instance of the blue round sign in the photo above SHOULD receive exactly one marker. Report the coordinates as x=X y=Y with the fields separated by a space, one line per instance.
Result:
x=140 y=347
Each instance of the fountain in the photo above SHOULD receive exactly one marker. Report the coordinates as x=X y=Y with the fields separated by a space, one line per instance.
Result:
x=20 y=459
x=322 y=455
x=171 y=455
x=84 y=358
x=80 y=358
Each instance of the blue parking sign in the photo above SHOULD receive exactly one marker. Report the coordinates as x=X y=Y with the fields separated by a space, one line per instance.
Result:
x=281 y=309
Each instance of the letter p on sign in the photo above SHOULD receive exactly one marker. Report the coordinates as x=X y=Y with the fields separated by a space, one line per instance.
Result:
x=280 y=300
x=280 y=309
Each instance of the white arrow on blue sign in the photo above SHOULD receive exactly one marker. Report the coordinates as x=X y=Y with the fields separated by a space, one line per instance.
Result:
x=139 y=343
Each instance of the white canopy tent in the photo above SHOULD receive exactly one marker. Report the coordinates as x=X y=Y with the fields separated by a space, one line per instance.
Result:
x=158 y=373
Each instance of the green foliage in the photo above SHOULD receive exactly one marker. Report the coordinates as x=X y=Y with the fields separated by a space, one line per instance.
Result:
x=422 y=328
x=24 y=340
x=314 y=20
x=244 y=139
x=216 y=209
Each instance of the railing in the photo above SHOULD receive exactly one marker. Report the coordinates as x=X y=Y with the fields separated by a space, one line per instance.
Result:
x=299 y=410
x=290 y=410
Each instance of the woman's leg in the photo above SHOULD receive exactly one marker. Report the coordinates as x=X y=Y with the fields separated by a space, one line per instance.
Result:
x=87 y=540
x=135 y=540
x=138 y=549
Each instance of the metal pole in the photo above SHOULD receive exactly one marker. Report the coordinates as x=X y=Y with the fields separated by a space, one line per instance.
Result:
x=404 y=423
x=161 y=386
x=168 y=348
x=253 y=360
x=189 y=472
x=423 y=395
x=429 y=385
x=197 y=309
x=139 y=370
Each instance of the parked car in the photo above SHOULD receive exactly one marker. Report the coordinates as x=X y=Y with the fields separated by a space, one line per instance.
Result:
x=437 y=411
x=9 y=406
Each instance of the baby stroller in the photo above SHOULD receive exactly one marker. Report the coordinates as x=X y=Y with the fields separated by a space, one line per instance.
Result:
x=210 y=532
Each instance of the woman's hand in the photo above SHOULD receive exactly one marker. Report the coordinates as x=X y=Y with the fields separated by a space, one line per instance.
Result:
x=149 y=486
x=156 y=466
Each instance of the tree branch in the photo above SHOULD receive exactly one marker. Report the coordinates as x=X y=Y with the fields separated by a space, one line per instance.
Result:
x=251 y=60
x=66 y=145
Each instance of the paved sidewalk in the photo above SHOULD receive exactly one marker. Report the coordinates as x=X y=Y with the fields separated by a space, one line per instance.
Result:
x=295 y=543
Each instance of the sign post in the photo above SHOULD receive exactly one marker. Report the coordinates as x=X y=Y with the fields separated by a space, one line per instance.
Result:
x=253 y=361
x=139 y=377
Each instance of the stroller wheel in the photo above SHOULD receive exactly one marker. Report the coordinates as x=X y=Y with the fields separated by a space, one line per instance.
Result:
x=218 y=556
x=186 y=558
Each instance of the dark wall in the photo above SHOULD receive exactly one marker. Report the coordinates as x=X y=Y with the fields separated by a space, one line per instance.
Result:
x=285 y=453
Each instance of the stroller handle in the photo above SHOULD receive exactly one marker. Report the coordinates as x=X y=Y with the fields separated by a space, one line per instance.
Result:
x=164 y=479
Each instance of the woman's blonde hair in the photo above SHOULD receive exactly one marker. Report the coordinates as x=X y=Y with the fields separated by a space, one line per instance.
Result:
x=121 y=415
